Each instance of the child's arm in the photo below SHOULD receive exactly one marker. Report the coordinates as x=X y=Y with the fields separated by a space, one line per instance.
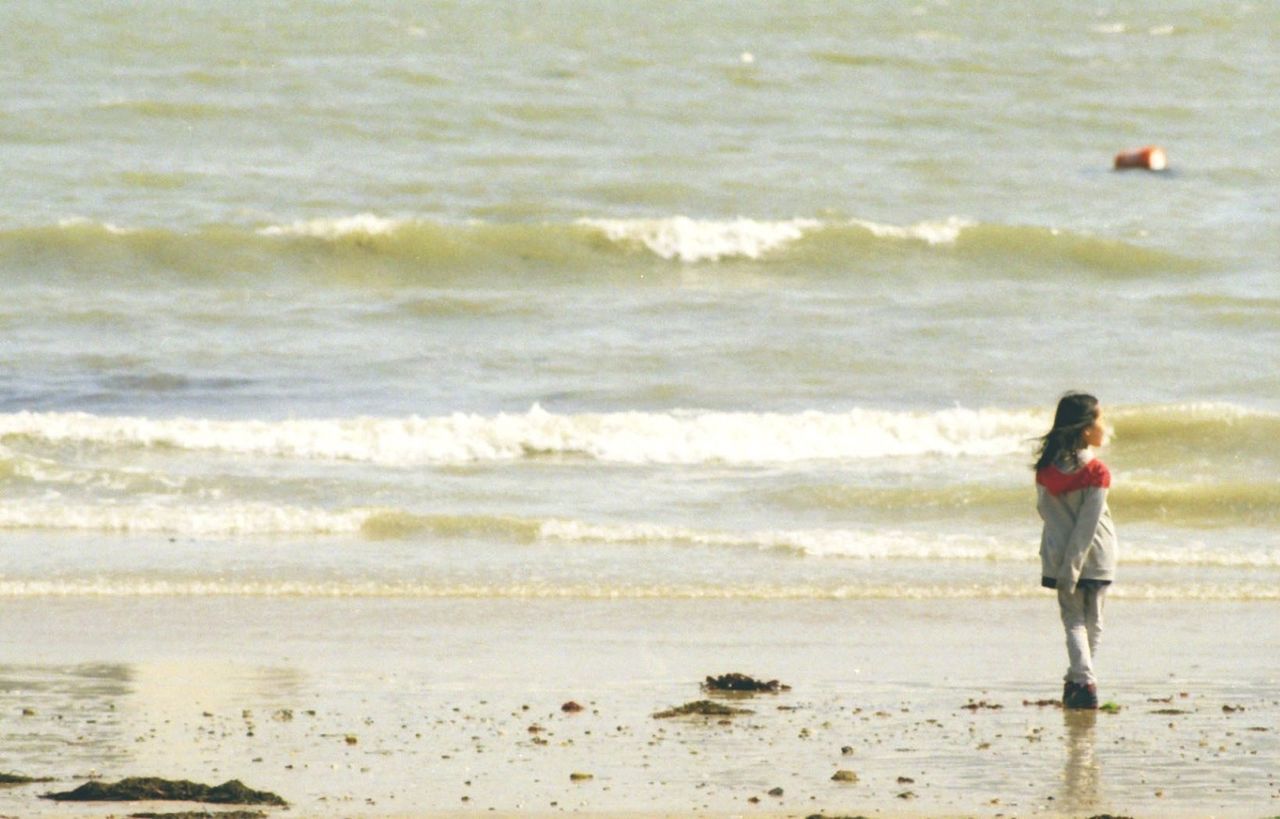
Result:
x=1091 y=506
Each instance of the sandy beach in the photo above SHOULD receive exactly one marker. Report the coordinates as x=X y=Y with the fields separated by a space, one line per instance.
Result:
x=453 y=707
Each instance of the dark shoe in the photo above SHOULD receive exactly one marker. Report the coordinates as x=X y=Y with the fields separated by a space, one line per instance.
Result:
x=1080 y=696
x=1067 y=688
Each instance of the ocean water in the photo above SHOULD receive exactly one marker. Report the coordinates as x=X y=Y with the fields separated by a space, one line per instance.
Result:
x=598 y=300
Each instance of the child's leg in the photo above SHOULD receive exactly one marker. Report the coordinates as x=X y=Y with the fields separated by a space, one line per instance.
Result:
x=1072 y=607
x=1094 y=601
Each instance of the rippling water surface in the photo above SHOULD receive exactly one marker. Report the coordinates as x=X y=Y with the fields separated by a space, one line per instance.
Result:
x=733 y=300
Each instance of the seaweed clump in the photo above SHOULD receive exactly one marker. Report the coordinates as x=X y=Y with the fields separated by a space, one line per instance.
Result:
x=19 y=779
x=743 y=683
x=702 y=708
x=148 y=788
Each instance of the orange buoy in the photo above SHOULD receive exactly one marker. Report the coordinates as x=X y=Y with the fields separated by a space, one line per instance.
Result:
x=1150 y=158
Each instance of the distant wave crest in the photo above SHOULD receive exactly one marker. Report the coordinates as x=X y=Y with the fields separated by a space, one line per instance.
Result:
x=690 y=240
x=363 y=224
x=355 y=248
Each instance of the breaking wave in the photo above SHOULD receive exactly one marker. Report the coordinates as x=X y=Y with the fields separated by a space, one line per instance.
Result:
x=676 y=437
x=1149 y=437
x=869 y=544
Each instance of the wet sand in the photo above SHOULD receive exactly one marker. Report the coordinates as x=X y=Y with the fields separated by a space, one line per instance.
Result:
x=351 y=707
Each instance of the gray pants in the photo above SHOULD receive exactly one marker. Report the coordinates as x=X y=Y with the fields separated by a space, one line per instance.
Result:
x=1082 y=618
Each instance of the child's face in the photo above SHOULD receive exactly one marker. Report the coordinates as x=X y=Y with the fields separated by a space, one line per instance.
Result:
x=1095 y=434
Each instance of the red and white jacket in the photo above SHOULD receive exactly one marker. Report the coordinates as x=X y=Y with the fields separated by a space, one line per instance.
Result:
x=1079 y=538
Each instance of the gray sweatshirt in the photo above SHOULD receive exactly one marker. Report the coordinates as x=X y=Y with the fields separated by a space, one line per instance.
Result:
x=1079 y=539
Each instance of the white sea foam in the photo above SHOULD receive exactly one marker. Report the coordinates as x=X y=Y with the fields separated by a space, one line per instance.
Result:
x=128 y=586
x=361 y=224
x=109 y=227
x=677 y=437
x=890 y=544
x=881 y=544
x=940 y=232
x=678 y=238
x=133 y=586
x=248 y=519
x=225 y=520
x=694 y=240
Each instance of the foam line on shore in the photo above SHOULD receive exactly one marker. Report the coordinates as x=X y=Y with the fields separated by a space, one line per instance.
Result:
x=125 y=586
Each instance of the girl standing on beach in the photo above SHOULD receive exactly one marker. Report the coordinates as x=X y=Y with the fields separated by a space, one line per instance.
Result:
x=1078 y=544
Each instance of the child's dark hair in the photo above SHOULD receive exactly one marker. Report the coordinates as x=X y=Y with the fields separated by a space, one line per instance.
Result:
x=1076 y=412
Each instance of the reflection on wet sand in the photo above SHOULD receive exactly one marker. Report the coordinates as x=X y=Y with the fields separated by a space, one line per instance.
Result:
x=197 y=711
x=67 y=720
x=1082 y=774
x=63 y=717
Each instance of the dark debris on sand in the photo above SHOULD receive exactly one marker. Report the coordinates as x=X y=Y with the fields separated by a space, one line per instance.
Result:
x=981 y=705
x=743 y=683
x=704 y=708
x=203 y=814
x=150 y=788
x=841 y=816
x=19 y=779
